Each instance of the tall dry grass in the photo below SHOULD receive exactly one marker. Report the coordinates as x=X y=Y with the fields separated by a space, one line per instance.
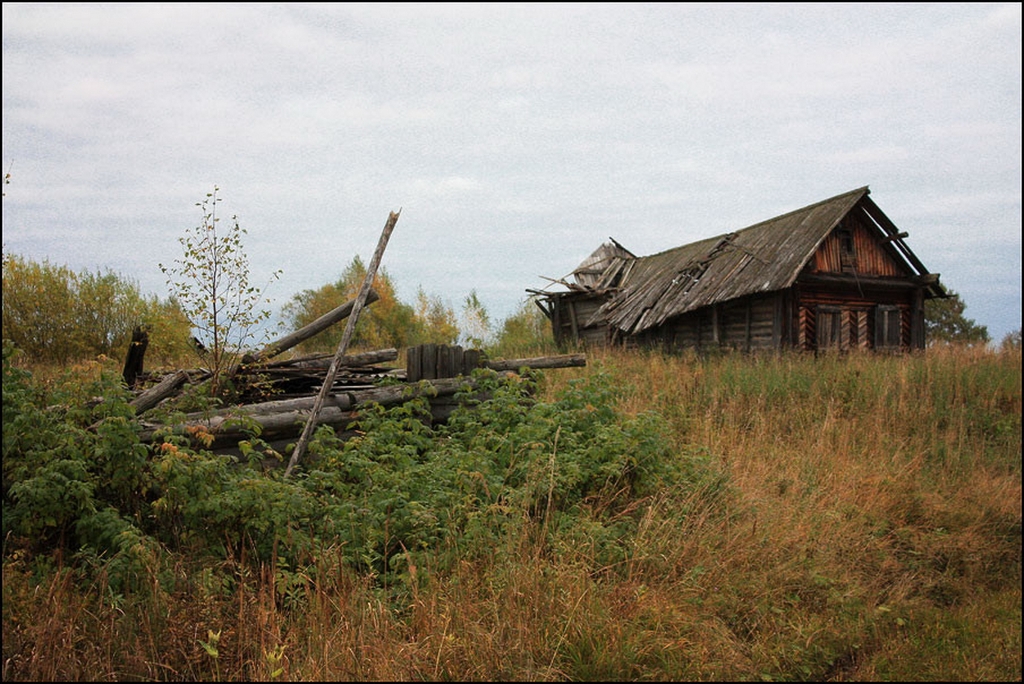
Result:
x=859 y=518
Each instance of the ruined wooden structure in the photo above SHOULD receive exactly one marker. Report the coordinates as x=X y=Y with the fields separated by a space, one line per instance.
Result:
x=279 y=397
x=837 y=274
x=283 y=399
x=283 y=393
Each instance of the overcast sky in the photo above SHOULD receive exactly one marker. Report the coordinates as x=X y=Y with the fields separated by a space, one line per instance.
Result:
x=514 y=138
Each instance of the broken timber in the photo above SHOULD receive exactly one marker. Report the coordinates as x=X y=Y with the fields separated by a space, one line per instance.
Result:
x=344 y=383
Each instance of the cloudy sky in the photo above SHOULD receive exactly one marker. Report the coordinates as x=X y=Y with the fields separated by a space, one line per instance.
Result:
x=514 y=138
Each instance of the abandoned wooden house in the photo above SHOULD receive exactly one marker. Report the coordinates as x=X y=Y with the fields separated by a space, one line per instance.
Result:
x=834 y=275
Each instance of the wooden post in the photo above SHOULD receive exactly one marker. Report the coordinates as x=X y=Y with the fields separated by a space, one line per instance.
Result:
x=457 y=357
x=428 y=361
x=471 y=358
x=136 y=353
x=413 y=361
x=444 y=362
x=325 y=389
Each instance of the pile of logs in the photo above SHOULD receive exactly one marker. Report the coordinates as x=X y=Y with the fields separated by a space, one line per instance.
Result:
x=292 y=397
x=279 y=395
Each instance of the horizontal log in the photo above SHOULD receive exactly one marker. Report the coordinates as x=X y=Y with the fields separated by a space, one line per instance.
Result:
x=229 y=431
x=369 y=358
x=429 y=361
x=163 y=389
x=562 y=361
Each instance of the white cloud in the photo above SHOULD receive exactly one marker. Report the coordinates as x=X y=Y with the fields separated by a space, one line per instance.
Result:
x=524 y=134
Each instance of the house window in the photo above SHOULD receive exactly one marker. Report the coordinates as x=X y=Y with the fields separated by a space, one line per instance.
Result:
x=847 y=250
x=887 y=327
x=829 y=328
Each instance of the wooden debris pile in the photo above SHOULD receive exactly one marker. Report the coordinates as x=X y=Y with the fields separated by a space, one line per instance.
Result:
x=284 y=399
x=279 y=397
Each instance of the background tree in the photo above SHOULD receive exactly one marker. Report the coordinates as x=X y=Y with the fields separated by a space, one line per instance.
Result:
x=944 y=321
x=476 y=323
x=38 y=309
x=1010 y=341
x=58 y=316
x=526 y=332
x=435 y=321
x=211 y=282
x=387 y=323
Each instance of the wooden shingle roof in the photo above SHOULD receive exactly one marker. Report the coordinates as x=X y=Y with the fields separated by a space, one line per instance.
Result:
x=764 y=257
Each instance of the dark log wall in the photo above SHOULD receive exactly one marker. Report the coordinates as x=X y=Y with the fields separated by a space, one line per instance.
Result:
x=782 y=320
x=749 y=324
x=569 y=316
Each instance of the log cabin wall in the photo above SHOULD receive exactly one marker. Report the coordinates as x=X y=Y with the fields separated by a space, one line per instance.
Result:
x=847 y=320
x=747 y=324
x=569 y=316
x=784 y=320
x=856 y=312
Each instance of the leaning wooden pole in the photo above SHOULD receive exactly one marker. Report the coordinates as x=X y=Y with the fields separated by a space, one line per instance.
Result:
x=350 y=325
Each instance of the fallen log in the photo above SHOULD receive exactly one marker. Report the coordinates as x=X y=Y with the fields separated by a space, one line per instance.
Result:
x=369 y=358
x=165 y=388
x=563 y=361
x=430 y=361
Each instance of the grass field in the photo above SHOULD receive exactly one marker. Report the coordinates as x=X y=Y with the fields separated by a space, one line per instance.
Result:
x=853 y=518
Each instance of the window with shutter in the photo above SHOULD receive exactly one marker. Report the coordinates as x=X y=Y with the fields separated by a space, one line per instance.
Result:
x=887 y=327
x=847 y=251
x=829 y=327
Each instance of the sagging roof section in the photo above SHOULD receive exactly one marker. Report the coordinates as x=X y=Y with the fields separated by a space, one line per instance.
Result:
x=764 y=257
x=603 y=269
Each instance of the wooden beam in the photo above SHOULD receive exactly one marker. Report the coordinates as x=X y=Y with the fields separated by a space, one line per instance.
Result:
x=562 y=361
x=369 y=358
x=361 y=298
x=307 y=331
